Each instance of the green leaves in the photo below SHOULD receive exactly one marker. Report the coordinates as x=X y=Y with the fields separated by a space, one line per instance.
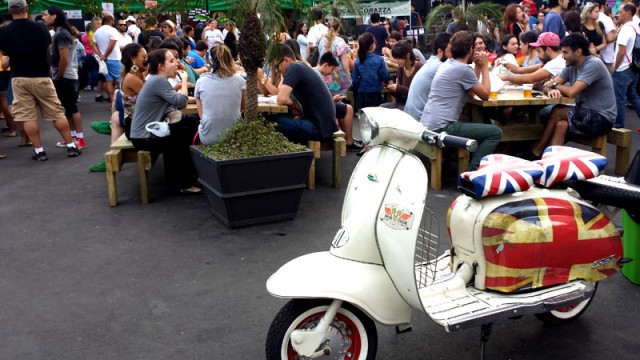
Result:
x=251 y=139
x=485 y=12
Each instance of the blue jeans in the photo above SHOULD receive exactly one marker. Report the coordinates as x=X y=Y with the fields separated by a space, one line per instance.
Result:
x=297 y=130
x=624 y=85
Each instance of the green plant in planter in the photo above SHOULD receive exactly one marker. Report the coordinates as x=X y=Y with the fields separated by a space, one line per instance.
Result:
x=263 y=139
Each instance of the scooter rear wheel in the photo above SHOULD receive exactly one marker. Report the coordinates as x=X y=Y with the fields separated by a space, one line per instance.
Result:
x=351 y=334
x=567 y=314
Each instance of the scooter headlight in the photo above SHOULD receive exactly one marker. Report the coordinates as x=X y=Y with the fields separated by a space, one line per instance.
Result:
x=368 y=126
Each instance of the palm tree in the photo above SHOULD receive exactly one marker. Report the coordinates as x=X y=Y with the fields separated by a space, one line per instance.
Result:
x=485 y=13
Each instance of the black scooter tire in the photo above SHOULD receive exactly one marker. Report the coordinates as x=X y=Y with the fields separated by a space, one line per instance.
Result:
x=300 y=312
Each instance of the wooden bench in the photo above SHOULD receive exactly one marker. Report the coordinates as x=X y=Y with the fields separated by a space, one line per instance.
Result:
x=621 y=138
x=434 y=154
x=338 y=144
x=122 y=152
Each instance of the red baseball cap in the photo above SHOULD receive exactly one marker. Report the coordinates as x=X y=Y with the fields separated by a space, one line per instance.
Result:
x=547 y=39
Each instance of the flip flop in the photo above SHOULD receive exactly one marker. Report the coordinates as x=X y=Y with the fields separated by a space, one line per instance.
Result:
x=2 y=156
x=194 y=190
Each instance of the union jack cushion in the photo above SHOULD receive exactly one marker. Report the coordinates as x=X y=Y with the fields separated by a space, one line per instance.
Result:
x=500 y=174
x=567 y=163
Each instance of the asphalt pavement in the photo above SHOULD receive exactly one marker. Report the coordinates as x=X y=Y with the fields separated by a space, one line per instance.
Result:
x=81 y=280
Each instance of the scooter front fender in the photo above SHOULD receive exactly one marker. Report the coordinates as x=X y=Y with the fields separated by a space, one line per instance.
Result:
x=323 y=275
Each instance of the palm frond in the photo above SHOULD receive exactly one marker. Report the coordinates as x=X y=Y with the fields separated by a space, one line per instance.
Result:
x=438 y=17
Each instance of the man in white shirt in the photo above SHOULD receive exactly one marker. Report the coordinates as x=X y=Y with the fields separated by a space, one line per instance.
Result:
x=625 y=79
x=106 y=47
x=125 y=39
x=607 y=54
x=317 y=31
x=548 y=48
x=132 y=30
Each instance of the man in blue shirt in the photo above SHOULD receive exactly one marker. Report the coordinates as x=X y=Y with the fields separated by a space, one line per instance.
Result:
x=198 y=54
x=379 y=33
x=553 y=21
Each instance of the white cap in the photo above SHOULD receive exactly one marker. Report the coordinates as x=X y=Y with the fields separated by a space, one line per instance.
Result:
x=130 y=18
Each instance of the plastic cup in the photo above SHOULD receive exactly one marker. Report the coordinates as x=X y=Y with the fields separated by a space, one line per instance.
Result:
x=527 y=90
x=493 y=94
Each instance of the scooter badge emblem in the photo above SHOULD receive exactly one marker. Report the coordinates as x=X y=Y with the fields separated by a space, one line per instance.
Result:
x=397 y=217
x=341 y=238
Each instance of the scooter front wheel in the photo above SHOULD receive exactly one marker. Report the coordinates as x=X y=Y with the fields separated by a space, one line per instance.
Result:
x=567 y=314
x=351 y=334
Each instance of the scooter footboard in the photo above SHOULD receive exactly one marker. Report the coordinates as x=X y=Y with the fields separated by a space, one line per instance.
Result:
x=469 y=307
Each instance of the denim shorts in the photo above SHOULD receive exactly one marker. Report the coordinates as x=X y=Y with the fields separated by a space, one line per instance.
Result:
x=113 y=66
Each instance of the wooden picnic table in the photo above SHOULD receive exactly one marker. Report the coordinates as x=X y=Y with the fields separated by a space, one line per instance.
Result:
x=516 y=132
x=267 y=108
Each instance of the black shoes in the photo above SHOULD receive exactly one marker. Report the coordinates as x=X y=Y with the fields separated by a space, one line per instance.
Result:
x=100 y=98
x=41 y=156
x=73 y=151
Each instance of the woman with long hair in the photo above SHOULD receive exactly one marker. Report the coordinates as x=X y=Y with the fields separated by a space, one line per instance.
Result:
x=301 y=37
x=408 y=65
x=340 y=81
x=369 y=72
x=220 y=96
x=592 y=28
x=507 y=53
x=189 y=32
x=512 y=20
x=230 y=39
x=133 y=71
x=156 y=100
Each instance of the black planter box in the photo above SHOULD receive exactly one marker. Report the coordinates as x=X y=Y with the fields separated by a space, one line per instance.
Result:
x=253 y=190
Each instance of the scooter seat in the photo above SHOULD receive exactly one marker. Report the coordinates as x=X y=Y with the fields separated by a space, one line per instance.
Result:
x=499 y=174
x=561 y=163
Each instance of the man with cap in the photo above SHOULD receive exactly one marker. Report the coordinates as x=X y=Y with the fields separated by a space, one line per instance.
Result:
x=32 y=84
x=587 y=80
x=132 y=29
x=548 y=49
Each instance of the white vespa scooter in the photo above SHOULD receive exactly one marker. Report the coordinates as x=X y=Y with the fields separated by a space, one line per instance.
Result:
x=509 y=255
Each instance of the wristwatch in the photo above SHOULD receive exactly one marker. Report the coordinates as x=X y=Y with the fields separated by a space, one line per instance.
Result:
x=554 y=85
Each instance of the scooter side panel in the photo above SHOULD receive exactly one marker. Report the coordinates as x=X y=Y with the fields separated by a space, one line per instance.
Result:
x=398 y=224
x=322 y=275
x=368 y=184
x=545 y=241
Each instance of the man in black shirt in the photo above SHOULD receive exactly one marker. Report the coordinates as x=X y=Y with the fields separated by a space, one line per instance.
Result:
x=27 y=43
x=318 y=121
x=151 y=30
x=379 y=33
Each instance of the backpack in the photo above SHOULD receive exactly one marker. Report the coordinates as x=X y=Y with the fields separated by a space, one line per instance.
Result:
x=634 y=62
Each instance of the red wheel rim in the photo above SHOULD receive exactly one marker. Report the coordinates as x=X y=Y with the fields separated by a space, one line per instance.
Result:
x=350 y=330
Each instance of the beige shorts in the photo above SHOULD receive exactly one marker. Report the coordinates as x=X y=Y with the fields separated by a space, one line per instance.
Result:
x=29 y=93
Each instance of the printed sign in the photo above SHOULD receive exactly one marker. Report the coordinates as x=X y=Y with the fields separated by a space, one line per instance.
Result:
x=150 y=4
x=73 y=14
x=397 y=217
x=107 y=8
x=385 y=9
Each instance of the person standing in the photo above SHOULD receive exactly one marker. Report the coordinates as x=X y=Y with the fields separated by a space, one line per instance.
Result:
x=553 y=20
x=379 y=33
x=132 y=29
x=610 y=32
x=316 y=32
x=340 y=81
x=625 y=79
x=151 y=30
x=32 y=84
x=212 y=35
x=64 y=72
x=106 y=47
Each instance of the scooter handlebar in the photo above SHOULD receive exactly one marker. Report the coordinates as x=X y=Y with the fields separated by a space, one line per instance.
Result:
x=443 y=139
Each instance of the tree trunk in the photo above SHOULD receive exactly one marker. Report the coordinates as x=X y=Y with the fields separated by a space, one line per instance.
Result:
x=251 y=111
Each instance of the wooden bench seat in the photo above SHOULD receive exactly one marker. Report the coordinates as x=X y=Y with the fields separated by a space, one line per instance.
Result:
x=338 y=145
x=120 y=153
x=621 y=138
x=434 y=154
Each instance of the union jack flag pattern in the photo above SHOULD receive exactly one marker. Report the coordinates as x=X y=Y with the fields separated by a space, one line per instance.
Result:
x=500 y=174
x=567 y=163
x=545 y=241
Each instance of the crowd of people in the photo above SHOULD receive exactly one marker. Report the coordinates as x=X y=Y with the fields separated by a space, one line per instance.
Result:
x=148 y=67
